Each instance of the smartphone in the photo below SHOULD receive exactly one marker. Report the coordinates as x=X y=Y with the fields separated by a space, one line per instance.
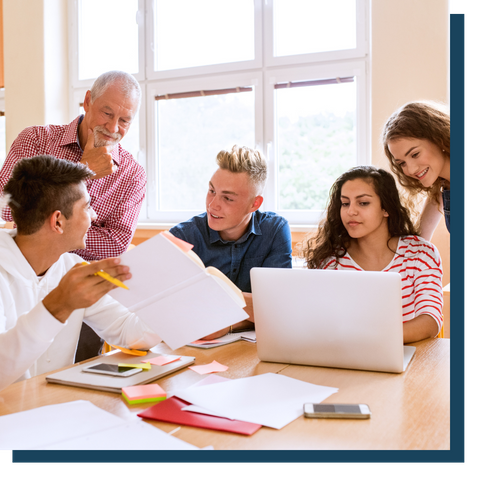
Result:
x=336 y=411
x=113 y=370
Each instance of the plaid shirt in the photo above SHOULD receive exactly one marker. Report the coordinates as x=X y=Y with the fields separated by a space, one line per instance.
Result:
x=116 y=198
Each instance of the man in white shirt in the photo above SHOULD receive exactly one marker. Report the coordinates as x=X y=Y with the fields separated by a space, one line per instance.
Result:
x=46 y=292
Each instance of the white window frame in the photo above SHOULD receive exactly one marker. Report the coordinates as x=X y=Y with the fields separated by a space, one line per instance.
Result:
x=73 y=51
x=262 y=73
x=189 y=85
x=317 y=72
x=208 y=69
x=361 y=49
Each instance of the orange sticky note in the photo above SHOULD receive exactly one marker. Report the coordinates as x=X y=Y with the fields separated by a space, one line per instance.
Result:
x=212 y=367
x=134 y=352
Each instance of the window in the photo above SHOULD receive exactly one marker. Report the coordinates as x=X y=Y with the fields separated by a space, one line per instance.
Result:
x=287 y=77
x=191 y=126
x=315 y=138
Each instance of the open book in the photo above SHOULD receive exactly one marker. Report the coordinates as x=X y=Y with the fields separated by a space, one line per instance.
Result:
x=175 y=295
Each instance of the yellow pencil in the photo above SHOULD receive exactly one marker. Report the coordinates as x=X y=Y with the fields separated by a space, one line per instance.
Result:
x=109 y=278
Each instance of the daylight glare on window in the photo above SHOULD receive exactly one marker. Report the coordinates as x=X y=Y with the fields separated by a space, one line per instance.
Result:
x=199 y=32
x=190 y=134
x=316 y=142
x=108 y=37
x=314 y=26
x=286 y=76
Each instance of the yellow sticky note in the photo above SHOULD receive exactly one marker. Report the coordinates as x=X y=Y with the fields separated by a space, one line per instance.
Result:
x=142 y=366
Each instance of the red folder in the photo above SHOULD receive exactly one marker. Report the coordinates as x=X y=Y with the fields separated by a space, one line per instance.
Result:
x=170 y=411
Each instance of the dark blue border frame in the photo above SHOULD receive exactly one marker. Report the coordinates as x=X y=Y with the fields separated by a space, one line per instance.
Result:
x=456 y=453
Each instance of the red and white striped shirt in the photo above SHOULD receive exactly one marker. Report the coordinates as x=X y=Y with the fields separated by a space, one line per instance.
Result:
x=116 y=198
x=419 y=264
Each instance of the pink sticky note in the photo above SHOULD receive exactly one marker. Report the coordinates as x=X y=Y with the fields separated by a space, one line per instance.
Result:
x=183 y=245
x=212 y=367
x=143 y=391
x=162 y=360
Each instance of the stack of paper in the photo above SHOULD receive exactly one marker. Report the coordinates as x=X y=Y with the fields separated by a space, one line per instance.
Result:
x=80 y=425
x=270 y=399
x=171 y=411
x=241 y=406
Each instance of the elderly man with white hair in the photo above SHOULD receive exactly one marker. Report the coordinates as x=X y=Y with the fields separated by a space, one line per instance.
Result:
x=118 y=187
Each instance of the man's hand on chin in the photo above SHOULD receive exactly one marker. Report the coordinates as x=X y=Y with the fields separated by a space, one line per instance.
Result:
x=99 y=159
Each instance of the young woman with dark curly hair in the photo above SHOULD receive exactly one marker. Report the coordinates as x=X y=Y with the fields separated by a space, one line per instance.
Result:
x=366 y=228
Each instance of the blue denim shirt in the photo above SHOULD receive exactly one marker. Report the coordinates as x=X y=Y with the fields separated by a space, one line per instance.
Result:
x=266 y=243
x=447 y=208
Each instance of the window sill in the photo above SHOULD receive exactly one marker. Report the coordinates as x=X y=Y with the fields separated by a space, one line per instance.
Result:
x=161 y=226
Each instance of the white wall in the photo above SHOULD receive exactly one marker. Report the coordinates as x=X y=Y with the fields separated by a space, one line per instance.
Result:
x=409 y=62
x=409 y=59
x=36 y=64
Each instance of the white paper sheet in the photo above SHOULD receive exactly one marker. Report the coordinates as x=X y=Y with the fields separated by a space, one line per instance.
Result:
x=81 y=425
x=270 y=399
x=177 y=299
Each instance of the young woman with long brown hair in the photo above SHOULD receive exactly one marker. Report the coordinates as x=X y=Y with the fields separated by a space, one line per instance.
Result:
x=416 y=141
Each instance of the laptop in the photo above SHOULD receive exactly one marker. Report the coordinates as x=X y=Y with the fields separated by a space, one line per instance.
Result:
x=75 y=376
x=337 y=319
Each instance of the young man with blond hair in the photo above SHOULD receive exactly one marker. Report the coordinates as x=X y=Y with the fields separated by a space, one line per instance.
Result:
x=233 y=235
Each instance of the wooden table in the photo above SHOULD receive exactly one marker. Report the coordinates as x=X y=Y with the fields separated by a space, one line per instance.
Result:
x=410 y=411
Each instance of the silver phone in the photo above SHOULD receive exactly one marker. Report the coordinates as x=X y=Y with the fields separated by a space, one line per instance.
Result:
x=312 y=410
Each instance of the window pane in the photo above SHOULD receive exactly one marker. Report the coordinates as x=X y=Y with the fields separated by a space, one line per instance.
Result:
x=316 y=131
x=200 y=32
x=108 y=37
x=131 y=141
x=314 y=26
x=190 y=134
